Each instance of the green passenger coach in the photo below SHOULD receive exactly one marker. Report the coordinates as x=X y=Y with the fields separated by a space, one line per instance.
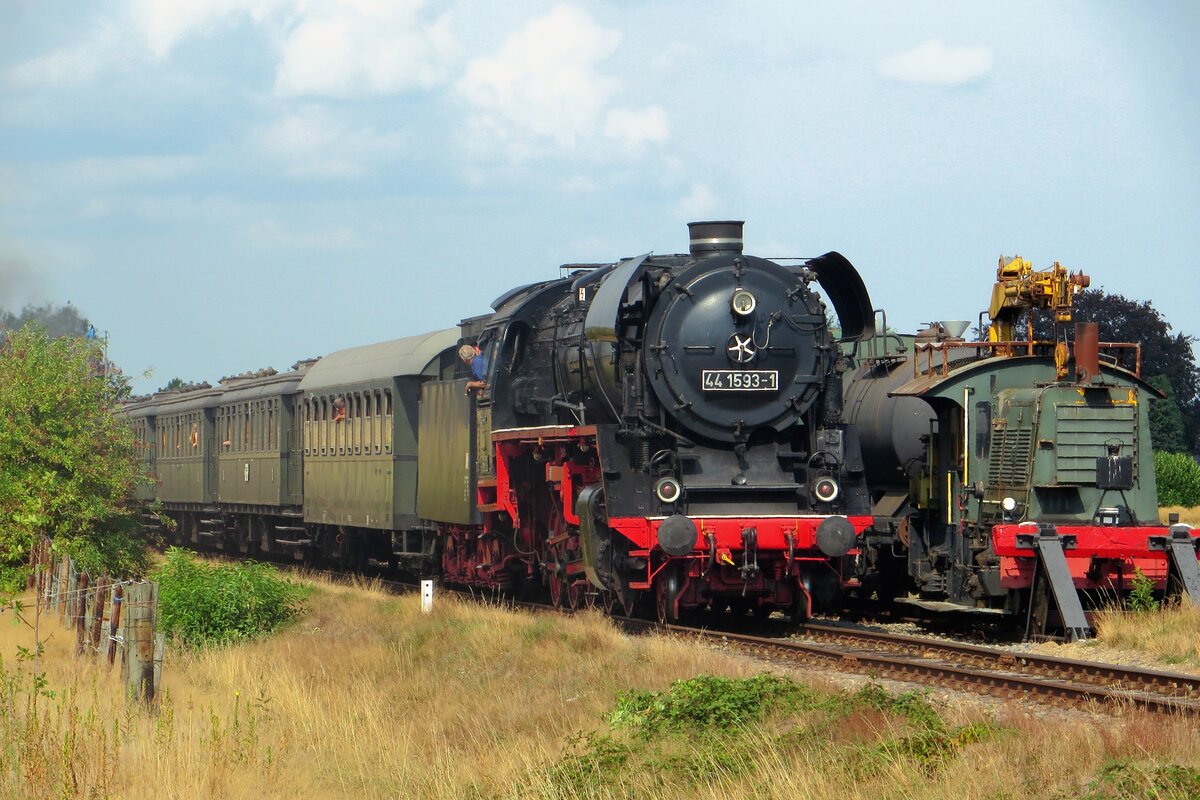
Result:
x=359 y=433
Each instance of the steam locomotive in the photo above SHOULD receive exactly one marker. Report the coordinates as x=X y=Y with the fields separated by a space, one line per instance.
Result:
x=659 y=432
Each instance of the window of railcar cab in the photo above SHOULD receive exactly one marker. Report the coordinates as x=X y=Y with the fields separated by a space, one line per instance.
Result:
x=387 y=421
x=307 y=433
x=322 y=427
x=356 y=418
x=377 y=421
x=368 y=422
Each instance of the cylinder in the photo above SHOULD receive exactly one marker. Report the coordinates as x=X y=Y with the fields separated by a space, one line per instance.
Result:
x=715 y=237
x=1087 y=351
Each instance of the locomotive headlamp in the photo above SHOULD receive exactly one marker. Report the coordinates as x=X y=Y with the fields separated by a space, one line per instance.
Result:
x=667 y=489
x=826 y=489
x=743 y=303
x=1009 y=505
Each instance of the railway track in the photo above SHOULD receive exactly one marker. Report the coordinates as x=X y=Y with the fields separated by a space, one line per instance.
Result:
x=966 y=667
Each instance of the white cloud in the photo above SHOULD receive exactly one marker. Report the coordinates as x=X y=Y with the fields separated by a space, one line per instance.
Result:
x=635 y=127
x=312 y=143
x=935 y=62
x=369 y=46
x=334 y=48
x=72 y=66
x=545 y=79
x=164 y=23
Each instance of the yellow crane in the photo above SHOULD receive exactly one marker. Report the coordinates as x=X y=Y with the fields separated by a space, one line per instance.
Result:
x=1019 y=287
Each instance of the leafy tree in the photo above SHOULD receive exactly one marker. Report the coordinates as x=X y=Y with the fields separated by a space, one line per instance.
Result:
x=174 y=383
x=67 y=463
x=1163 y=353
x=56 y=320
x=1166 y=420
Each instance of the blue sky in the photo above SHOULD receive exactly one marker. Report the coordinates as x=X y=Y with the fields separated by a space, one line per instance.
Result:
x=233 y=184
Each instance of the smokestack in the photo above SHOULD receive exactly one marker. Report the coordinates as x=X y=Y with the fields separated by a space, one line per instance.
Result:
x=1087 y=351
x=715 y=237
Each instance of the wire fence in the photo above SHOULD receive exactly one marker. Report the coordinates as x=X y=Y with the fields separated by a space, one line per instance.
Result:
x=112 y=619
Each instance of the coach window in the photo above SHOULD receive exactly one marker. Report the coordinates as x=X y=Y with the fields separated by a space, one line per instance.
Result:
x=368 y=421
x=319 y=425
x=358 y=422
x=387 y=420
x=306 y=435
x=271 y=426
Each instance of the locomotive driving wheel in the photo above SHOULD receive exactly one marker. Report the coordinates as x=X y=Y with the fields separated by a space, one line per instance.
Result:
x=554 y=577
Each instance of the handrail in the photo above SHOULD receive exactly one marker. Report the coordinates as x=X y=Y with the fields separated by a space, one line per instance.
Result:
x=933 y=369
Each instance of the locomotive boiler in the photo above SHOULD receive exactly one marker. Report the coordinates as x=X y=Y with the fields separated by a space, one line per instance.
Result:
x=660 y=428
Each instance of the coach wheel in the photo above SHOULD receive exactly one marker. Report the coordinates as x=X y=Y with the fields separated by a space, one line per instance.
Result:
x=192 y=532
x=667 y=595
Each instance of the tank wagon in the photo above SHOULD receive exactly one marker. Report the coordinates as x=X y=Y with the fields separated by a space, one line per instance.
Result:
x=1013 y=474
x=659 y=431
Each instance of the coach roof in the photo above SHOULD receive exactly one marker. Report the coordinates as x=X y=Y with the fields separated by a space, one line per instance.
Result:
x=409 y=356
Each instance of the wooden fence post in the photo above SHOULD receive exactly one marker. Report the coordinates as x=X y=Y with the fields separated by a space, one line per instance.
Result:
x=81 y=607
x=114 y=623
x=140 y=612
x=98 y=607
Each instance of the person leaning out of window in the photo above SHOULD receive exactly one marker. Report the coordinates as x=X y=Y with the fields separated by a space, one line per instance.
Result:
x=477 y=361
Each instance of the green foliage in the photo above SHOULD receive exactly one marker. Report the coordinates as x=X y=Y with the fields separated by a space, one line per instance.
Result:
x=67 y=464
x=206 y=604
x=710 y=731
x=1166 y=420
x=1141 y=594
x=931 y=749
x=707 y=701
x=55 y=320
x=1128 y=780
x=1178 y=479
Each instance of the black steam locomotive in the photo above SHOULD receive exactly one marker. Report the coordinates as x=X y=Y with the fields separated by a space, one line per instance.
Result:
x=672 y=425
x=662 y=429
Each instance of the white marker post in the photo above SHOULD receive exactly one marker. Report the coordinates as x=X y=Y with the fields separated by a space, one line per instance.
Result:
x=426 y=597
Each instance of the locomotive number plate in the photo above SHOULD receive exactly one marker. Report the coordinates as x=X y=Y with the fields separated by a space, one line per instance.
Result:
x=739 y=380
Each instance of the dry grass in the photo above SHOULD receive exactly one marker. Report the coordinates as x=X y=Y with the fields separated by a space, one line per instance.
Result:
x=1170 y=636
x=366 y=698
x=1190 y=516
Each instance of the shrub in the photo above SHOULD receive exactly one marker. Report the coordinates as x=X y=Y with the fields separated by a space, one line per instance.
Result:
x=204 y=604
x=1141 y=594
x=1178 y=477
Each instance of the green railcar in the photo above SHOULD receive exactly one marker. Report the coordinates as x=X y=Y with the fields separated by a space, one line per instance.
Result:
x=359 y=429
x=259 y=454
x=140 y=413
x=185 y=427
